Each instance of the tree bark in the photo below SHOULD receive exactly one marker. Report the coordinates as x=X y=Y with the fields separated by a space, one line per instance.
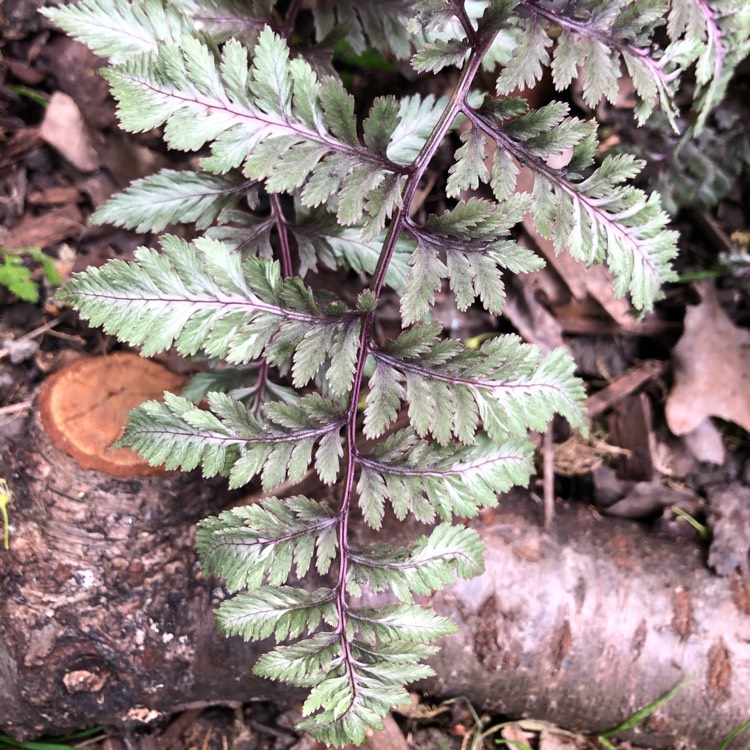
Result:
x=105 y=615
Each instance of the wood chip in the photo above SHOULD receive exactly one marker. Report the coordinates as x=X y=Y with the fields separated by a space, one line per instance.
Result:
x=631 y=427
x=623 y=386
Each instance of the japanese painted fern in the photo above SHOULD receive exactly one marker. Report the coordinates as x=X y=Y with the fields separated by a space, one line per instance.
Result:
x=291 y=181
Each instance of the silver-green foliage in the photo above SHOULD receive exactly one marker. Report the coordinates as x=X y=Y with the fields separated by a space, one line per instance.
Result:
x=290 y=181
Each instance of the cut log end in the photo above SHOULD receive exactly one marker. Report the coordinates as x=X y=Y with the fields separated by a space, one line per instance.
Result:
x=84 y=408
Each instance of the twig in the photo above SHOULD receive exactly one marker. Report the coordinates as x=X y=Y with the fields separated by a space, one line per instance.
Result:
x=4 y=352
x=13 y=408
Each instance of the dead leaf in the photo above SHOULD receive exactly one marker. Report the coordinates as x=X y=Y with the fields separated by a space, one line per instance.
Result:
x=711 y=366
x=54 y=196
x=23 y=141
x=530 y=317
x=580 y=455
x=390 y=737
x=706 y=443
x=418 y=710
x=608 y=487
x=63 y=128
x=45 y=230
x=631 y=426
x=729 y=518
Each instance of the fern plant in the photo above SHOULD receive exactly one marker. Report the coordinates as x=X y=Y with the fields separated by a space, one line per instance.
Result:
x=291 y=181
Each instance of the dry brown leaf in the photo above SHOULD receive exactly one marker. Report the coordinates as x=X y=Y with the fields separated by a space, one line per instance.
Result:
x=706 y=443
x=54 y=196
x=623 y=386
x=646 y=498
x=63 y=128
x=711 y=366
x=390 y=737
x=76 y=70
x=580 y=455
x=46 y=229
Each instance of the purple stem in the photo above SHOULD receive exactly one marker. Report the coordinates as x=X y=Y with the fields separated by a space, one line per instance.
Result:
x=277 y=215
x=463 y=16
x=290 y=18
x=399 y=222
x=628 y=236
x=586 y=28
x=283 y=231
x=713 y=32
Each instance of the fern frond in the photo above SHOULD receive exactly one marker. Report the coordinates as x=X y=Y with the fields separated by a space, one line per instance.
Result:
x=434 y=56
x=289 y=170
x=530 y=57
x=417 y=119
x=119 y=29
x=430 y=564
x=468 y=246
x=174 y=197
x=261 y=543
x=227 y=19
x=449 y=388
x=275 y=119
x=283 y=612
x=592 y=42
x=597 y=218
x=399 y=623
x=321 y=239
x=304 y=663
x=355 y=688
x=382 y=25
x=237 y=382
x=124 y=29
x=229 y=440
x=201 y=296
x=356 y=696
x=720 y=33
x=420 y=478
x=432 y=16
x=245 y=233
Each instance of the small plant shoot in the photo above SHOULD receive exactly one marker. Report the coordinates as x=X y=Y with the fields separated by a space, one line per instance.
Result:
x=292 y=181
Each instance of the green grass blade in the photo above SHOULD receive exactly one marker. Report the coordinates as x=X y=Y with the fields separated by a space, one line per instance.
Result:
x=736 y=733
x=641 y=714
x=58 y=743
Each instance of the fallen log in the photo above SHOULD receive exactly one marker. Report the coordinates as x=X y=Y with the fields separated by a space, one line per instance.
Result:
x=105 y=616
